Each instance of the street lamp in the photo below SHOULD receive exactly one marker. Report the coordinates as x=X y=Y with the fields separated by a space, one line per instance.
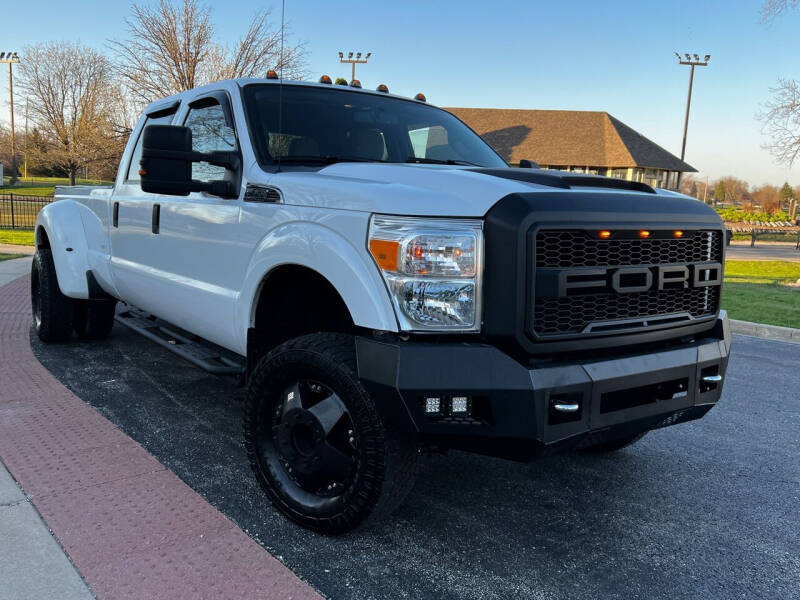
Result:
x=693 y=61
x=354 y=61
x=11 y=58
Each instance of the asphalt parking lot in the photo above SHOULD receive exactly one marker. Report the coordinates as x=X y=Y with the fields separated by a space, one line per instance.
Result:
x=709 y=509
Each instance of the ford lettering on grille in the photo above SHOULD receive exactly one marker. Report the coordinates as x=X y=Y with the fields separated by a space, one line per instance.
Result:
x=585 y=285
x=627 y=280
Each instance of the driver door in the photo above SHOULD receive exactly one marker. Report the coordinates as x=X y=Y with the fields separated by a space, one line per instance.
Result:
x=201 y=252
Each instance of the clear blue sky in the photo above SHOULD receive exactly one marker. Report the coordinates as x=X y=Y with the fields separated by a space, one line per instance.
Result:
x=584 y=55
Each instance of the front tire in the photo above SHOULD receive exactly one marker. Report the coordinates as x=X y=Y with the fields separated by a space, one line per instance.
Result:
x=52 y=310
x=316 y=442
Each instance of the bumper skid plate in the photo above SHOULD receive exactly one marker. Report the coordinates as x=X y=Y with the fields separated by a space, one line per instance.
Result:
x=514 y=411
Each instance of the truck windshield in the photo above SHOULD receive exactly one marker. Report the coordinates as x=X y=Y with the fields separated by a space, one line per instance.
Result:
x=323 y=126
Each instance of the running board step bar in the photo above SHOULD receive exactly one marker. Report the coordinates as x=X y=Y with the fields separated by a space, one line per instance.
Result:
x=191 y=348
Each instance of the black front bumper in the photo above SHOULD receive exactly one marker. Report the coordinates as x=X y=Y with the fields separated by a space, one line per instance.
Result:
x=513 y=406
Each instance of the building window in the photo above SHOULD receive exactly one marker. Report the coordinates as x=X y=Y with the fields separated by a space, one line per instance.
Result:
x=619 y=173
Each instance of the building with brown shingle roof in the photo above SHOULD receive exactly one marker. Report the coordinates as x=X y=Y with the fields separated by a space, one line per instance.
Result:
x=578 y=141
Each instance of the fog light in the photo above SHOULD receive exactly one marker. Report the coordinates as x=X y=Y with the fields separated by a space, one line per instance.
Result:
x=459 y=405
x=433 y=406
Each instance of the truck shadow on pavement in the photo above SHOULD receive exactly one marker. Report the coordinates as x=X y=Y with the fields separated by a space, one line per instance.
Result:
x=655 y=520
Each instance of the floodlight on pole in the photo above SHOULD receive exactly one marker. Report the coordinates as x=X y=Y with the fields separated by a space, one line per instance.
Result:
x=354 y=61
x=692 y=63
x=11 y=58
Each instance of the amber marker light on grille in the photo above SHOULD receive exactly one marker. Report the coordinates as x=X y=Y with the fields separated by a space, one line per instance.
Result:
x=604 y=235
x=678 y=233
x=385 y=253
x=644 y=233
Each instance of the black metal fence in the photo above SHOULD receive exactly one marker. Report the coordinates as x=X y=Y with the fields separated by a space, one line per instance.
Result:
x=19 y=212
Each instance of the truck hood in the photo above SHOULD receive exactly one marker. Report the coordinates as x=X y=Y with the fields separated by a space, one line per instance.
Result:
x=403 y=189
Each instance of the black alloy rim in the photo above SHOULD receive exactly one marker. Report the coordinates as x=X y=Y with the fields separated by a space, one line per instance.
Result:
x=310 y=444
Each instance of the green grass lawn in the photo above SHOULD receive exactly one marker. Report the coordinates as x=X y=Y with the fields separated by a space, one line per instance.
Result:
x=39 y=190
x=753 y=292
x=43 y=186
x=9 y=256
x=15 y=236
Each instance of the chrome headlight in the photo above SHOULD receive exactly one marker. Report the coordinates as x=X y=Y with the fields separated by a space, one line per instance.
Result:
x=433 y=269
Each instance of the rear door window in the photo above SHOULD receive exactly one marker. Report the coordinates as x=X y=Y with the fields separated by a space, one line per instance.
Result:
x=163 y=117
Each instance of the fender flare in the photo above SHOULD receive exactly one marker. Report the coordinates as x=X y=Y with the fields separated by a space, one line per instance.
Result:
x=62 y=223
x=349 y=270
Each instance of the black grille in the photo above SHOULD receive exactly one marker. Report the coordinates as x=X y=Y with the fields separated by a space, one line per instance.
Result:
x=558 y=316
x=573 y=314
x=578 y=249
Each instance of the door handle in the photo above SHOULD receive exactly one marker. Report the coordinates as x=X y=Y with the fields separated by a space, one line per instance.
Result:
x=156 y=217
x=115 y=215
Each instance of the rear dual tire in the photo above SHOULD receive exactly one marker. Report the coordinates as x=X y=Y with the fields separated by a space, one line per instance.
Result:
x=55 y=315
x=52 y=310
x=315 y=439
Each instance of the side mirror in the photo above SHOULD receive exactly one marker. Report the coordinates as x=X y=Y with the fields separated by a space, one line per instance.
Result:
x=166 y=164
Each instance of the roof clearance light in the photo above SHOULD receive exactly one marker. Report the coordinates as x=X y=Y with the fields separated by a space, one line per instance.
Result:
x=355 y=83
x=272 y=74
x=605 y=234
x=678 y=233
x=644 y=233
x=325 y=79
x=420 y=97
x=382 y=88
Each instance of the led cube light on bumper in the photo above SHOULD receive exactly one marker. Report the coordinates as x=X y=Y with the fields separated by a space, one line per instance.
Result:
x=432 y=268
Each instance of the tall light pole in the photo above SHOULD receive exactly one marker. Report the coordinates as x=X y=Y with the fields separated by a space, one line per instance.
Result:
x=354 y=61
x=693 y=60
x=11 y=58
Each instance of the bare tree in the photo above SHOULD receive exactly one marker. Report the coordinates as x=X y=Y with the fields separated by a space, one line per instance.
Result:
x=781 y=116
x=768 y=197
x=781 y=121
x=772 y=8
x=731 y=190
x=73 y=99
x=172 y=48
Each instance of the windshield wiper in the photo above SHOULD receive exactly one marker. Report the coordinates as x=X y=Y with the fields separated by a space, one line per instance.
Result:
x=325 y=160
x=436 y=161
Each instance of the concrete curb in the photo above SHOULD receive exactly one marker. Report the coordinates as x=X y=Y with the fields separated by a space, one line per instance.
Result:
x=769 y=332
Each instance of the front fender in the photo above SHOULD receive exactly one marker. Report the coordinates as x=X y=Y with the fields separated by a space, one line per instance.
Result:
x=348 y=268
x=63 y=225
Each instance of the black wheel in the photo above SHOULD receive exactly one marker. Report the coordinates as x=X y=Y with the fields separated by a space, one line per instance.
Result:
x=613 y=445
x=316 y=442
x=52 y=310
x=93 y=319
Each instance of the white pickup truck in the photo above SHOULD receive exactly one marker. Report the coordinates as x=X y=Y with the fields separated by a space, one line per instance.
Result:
x=386 y=285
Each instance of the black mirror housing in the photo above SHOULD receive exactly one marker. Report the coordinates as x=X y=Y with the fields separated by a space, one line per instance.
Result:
x=166 y=164
x=166 y=160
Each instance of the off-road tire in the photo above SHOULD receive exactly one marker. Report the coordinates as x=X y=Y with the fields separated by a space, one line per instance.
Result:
x=385 y=464
x=613 y=445
x=52 y=310
x=93 y=319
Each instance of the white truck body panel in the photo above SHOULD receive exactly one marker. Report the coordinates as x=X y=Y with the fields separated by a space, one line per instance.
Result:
x=204 y=270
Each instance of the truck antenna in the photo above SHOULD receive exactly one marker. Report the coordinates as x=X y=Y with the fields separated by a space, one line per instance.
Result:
x=280 y=87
